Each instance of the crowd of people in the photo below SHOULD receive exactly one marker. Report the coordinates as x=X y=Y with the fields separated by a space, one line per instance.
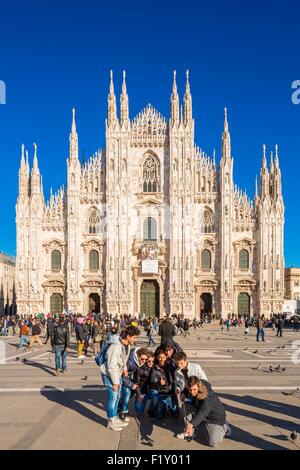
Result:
x=164 y=379
x=158 y=380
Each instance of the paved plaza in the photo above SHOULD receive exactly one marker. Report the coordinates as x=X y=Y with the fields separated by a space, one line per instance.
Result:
x=41 y=411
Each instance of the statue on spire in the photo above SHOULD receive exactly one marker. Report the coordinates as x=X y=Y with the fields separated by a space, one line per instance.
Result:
x=124 y=103
x=187 y=102
x=174 y=102
x=73 y=139
x=112 y=106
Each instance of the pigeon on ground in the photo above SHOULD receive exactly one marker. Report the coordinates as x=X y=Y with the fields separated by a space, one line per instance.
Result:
x=17 y=358
x=24 y=359
x=283 y=369
x=283 y=346
x=257 y=367
x=85 y=377
x=199 y=338
x=208 y=338
x=278 y=367
x=245 y=349
x=271 y=369
x=291 y=393
x=294 y=436
x=256 y=350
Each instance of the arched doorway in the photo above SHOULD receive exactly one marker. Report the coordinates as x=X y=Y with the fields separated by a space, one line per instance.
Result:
x=94 y=303
x=149 y=299
x=205 y=304
x=56 y=304
x=244 y=304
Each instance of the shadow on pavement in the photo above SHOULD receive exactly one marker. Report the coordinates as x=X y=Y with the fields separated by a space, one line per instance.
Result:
x=73 y=401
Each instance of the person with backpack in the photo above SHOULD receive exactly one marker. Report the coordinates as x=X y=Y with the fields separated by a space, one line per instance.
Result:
x=113 y=368
x=97 y=337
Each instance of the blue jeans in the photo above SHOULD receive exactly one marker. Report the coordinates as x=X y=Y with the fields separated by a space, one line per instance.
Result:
x=23 y=340
x=60 y=353
x=260 y=332
x=140 y=405
x=113 y=397
x=169 y=400
x=150 y=340
x=125 y=399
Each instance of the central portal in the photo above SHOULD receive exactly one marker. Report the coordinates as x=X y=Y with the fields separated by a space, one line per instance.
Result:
x=94 y=303
x=205 y=304
x=149 y=299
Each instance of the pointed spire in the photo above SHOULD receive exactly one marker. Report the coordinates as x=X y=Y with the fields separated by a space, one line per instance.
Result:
x=35 y=167
x=73 y=138
x=214 y=157
x=124 y=103
x=22 y=156
x=112 y=107
x=226 y=141
x=187 y=102
x=276 y=156
x=264 y=176
x=174 y=102
x=256 y=187
x=271 y=160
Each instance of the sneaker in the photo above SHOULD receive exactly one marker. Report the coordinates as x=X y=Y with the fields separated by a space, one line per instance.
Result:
x=81 y=357
x=187 y=437
x=64 y=371
x=121 y=423
x=123 y=417
x=113 y=426
x=228 y=430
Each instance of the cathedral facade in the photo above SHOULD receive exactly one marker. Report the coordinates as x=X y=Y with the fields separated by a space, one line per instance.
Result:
x=150 y=225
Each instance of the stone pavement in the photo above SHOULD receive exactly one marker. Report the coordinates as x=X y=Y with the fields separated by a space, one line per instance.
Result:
x=41 y=411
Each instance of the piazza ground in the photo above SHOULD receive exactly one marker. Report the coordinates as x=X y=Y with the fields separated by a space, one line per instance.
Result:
x=41 y=411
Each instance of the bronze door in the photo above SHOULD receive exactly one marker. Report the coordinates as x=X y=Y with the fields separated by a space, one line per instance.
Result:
x=150 y=299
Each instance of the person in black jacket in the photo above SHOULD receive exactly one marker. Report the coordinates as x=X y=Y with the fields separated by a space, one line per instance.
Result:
x=35 y=333
x=280 y=325
x=166 y=330
x=49 y=329
x=80 y=338
x=161 y=386
x=60 y=340
x=203 y=409
x=141 y=377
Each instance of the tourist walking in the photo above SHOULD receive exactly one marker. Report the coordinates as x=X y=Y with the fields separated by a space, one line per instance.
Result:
x=35 y=334
x=260 y=329
x=166 y=330
x=280 y=325
x=150 y=334
x=60 y=341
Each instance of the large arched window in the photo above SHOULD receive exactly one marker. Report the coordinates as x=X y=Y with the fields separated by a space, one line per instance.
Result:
x=150 y=175
x=150 y=229
x=94 y=221
x=206 y=259
x=93 y=260
x=244 y=259
x=56 y=260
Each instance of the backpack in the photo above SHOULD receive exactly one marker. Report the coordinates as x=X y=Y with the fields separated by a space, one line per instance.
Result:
x=100 y=358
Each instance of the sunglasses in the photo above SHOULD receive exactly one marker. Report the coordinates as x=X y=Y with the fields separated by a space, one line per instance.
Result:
x=150 y=360
x=143 y=358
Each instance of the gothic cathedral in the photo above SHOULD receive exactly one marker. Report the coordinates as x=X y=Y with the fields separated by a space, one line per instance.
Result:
x=150 y=225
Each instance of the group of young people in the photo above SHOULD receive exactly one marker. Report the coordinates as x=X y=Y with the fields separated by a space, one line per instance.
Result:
x=158 y=382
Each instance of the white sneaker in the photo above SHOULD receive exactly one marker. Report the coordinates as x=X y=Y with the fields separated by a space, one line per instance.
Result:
x=122 y=423
x=81 y=357
x=228 y=430
x=113 y=426
x=181 y=435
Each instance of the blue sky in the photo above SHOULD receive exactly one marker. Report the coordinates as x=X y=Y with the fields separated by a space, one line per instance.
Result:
x=57 y=54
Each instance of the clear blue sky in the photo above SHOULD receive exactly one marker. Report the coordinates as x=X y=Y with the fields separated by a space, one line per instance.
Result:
x=57 y=54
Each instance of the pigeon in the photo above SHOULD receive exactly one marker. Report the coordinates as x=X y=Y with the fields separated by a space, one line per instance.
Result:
x=291 y=393
x=245 y=349
x=277 y=347
x=208 y=338
x=283 y=369
x=256 y=350
x=24 y=360
x=283 y=346
x=294 y=436
x=17 y=358
x=85 y=377
x=271 y=369
x=257 y=367
x=228 y=350
x=199 y=338
x=278 y=367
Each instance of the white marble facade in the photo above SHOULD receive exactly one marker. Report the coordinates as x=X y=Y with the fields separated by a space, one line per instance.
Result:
x=151 y=190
